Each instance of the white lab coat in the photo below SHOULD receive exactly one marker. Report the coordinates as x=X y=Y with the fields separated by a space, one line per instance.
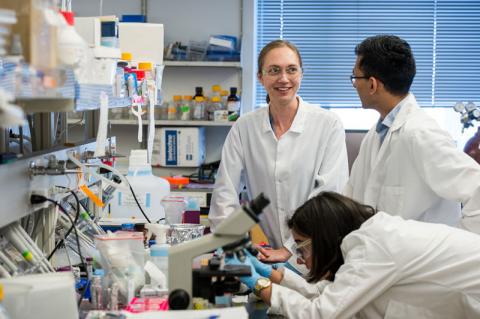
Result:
x=417 y=172
x=394 y=268
x=310 y=157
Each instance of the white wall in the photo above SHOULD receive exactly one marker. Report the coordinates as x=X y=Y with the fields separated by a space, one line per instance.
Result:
x=186 y=20
x=90 y=8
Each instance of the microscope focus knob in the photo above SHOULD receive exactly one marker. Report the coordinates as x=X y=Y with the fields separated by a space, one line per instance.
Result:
x=178 y=300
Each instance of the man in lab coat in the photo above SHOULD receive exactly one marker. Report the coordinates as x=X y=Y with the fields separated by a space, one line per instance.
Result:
x=407 y=165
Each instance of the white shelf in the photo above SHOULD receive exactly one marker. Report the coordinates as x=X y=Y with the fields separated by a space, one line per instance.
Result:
x=75 y=121
x=192 y=123
x=204 y=64
x=172 y=123
x=46 y=104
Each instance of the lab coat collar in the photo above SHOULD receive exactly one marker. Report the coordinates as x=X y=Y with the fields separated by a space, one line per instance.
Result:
x=407 y=106
x=298 y=123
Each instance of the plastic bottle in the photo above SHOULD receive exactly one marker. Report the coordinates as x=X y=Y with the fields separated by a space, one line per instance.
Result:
x=216 y=89
x=213 y=109
x=72 y=48
x=233 y=105
x=3 y=311
x=159 y=251
x=175 y=107
x=119 y=91
x=186 y=108
x=148 y=68
x=89 y=267
x=159 y=256
x=149 y=191
x=96 y=291
x=224 y=98
x=199 y=108
x=120 y=86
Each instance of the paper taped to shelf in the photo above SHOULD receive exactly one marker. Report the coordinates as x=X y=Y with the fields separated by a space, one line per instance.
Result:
x=179 y=147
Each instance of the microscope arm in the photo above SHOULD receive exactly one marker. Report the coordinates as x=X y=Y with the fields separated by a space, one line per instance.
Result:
x=229 y=231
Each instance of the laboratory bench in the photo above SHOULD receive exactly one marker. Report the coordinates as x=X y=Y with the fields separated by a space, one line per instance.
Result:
x=256 y=310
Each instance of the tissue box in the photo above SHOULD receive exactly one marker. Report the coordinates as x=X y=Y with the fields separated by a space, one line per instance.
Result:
x=179 y=147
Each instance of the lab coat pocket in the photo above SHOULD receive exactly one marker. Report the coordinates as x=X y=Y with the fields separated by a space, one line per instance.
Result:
x=391 y=199
x=400 y=310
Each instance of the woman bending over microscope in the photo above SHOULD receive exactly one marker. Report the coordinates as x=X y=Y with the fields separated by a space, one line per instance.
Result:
x=370 y=264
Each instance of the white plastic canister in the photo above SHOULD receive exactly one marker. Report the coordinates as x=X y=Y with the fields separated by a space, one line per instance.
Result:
x=149 y=191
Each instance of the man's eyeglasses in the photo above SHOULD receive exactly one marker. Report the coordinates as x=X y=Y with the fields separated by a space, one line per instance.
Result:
x=300 y=249
x=292 y=70
x=354 y=78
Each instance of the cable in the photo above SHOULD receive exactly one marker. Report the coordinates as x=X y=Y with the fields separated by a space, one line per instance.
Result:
x=82 y=261
x=138 y=204
x=74 y=228
x=60 y=242
x=37 y=199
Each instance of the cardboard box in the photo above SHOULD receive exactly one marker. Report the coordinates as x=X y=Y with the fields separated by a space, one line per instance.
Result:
x=38 y=32
x=143 y=40
x=179 y=147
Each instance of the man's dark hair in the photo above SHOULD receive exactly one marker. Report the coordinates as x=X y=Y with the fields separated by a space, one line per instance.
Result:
x=326 y=219
x=389 y=59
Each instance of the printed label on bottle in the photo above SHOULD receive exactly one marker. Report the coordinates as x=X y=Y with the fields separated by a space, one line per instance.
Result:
x=233 y=106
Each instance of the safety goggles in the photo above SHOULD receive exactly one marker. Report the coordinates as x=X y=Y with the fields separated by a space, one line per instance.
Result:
x=302 y=250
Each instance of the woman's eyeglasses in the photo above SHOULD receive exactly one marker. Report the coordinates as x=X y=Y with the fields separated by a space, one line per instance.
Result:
x=292 y=70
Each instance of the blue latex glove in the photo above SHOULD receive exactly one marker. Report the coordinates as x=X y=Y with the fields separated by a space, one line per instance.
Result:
x=247 y=280
x=265 y=270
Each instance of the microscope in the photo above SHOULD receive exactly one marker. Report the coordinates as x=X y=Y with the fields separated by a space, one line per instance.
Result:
x=230 y=234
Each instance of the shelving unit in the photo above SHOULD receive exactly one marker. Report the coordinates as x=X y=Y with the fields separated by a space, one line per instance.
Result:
x=173 y=123
x=181 y=77
x=159 y=122
x=220 y=64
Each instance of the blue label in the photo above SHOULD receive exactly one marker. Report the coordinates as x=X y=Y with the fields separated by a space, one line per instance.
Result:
x=171 y=139
x=147 y=200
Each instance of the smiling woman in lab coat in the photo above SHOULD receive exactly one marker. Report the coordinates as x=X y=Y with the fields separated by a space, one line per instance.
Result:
x=372 y=265
x=289 y=150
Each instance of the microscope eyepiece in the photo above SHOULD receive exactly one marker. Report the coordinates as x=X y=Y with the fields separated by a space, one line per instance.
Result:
x=259 y=203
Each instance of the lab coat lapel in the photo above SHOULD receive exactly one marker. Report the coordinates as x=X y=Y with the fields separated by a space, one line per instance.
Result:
x=409 y=105
x=379 y=169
